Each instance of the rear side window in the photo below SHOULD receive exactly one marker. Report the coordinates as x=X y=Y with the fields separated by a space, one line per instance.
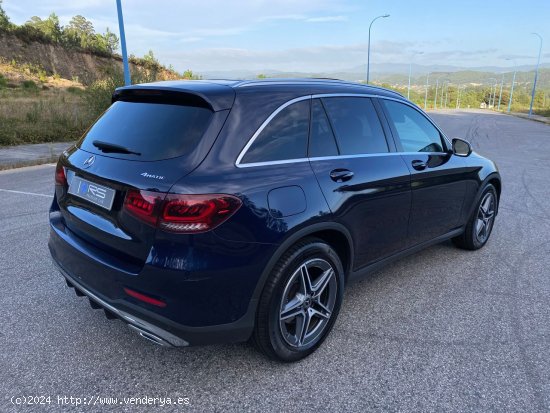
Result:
x=321 y=137
x=416 y=133
x=153 y=130
x=285 y=137
x=356 y=124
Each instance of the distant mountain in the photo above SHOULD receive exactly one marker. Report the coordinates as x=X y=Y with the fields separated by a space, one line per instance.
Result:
x=387 y=72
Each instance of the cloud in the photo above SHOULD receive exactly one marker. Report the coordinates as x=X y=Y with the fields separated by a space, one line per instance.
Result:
x=514 y=56
x=190 y=39
x=319 y=59
x=326 y=19
x=282 y=17
x=315 y=59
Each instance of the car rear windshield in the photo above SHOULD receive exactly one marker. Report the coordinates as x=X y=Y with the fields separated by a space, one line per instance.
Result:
x=147 y=131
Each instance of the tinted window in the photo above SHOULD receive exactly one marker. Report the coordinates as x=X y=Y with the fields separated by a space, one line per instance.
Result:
x=156 y=131
x=321 y=138
x=285 y=137
x=356 y=125
x=416 y=133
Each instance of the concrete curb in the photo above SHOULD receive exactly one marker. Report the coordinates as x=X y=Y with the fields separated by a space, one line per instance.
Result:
x=28 y=155
x=536 y=118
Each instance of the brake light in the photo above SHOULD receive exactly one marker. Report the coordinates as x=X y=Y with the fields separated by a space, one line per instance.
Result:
x=181 y=213
x=60 y=177
x=143 y=205
x=196 y=213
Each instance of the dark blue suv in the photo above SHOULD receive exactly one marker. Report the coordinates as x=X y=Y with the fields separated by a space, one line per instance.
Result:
x=222 y=211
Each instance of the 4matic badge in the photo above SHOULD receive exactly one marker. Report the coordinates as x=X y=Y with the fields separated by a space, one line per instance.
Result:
x=148 y=175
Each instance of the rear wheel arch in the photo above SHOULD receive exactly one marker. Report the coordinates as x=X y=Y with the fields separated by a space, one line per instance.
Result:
x=340 y=243
x=332 y=233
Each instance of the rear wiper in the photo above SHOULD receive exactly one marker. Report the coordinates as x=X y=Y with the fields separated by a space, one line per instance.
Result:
x=112 y=148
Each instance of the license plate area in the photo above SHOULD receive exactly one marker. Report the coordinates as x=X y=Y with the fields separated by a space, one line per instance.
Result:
x=99 y=195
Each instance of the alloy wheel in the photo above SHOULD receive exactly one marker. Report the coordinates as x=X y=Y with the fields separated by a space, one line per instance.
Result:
x=485 y=217
x=308 y=302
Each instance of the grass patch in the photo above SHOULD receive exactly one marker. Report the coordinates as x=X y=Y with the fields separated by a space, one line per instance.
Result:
x=75 y=90
x=29 y=85
x=34 y=116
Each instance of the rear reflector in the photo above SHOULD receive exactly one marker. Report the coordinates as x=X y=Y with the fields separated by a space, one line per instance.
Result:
x=144 y=298
x=60 y=177
x=181 y=213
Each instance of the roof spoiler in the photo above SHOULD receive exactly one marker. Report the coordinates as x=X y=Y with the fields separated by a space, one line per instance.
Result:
x=214 y=96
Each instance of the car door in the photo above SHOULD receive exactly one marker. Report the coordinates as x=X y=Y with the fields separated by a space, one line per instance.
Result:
x=365 y=182
x=437 y=176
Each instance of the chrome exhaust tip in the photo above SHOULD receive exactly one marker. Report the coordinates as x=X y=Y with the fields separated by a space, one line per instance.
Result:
x=150 y=336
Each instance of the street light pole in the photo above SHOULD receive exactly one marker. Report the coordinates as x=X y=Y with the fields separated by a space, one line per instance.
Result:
x=500 y=94
x=127 y=80
x=536 y=75
x=410 y=70
x=443 y=86
x=426 y=93
x=513 y=83
x=435 y=98
x=491 y=102
x=368 y=50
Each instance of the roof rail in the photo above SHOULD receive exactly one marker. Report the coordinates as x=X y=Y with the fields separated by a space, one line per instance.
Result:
x=271 y=81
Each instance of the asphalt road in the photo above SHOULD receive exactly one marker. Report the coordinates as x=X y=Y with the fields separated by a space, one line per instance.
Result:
x=443 y=330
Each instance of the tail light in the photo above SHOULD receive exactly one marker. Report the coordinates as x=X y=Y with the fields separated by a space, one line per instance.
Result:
x=181 y=213
x=60 y=177
x=144 y=205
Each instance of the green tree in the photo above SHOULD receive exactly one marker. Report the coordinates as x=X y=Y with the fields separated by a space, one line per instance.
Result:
x=79 y=32
x=50 y=28
x=150 y=58
x=4 y=19
x=111 y=41
x=189 y=75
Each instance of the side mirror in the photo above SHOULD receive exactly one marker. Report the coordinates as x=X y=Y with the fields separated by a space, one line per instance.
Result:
x=461 y=147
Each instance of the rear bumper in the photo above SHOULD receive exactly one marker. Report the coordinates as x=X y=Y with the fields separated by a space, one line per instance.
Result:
x=145 y=329
x=162 y=331
x=203 y=307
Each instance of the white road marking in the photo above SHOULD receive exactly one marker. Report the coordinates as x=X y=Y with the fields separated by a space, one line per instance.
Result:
x=25 y=193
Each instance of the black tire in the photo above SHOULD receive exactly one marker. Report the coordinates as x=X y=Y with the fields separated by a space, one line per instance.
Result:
x=471 y=238
x=273 y=333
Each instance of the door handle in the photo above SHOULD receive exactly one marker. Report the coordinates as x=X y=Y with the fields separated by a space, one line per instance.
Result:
x=418 y=165
x=341 y=175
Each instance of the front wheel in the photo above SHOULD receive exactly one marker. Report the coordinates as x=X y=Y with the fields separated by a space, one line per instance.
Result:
x=300 y=301
x=479 y=227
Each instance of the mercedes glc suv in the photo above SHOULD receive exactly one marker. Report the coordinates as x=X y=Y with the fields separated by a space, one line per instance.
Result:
x=221 y=211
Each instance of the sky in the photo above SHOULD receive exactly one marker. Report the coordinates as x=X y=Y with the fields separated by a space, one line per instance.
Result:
x=315 y=35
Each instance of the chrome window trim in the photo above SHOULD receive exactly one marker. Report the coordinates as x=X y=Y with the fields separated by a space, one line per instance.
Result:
x=336 y=157
x=238 y=163
x=263 y=126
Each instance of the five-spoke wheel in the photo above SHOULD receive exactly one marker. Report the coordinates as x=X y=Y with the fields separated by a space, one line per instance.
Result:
x=307 y=302
x=485 y=217
x=479 y=226
x=300 y=301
